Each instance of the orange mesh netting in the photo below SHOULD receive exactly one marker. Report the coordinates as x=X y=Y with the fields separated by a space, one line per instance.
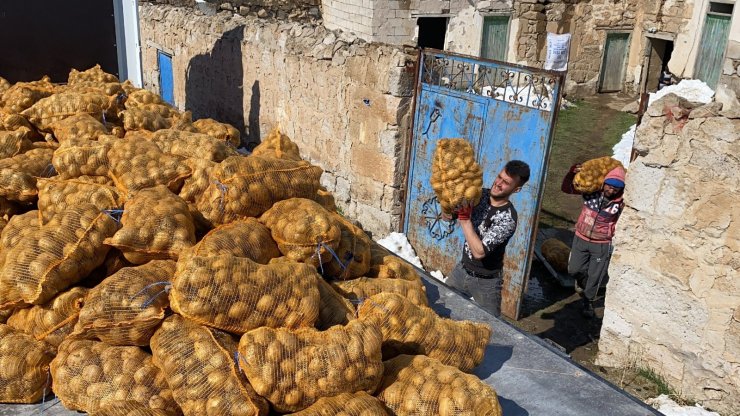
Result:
x=249 y=186
x=99 y=180
x=56 y=196
x=221 y=131
x=198 y=182
x=346 y=404
x=106 y=88
x=456 y=176
x=303 y=230
x=359 y=289
x=325 y=199
x=352 y=253
x=19 y=124
x=18 y=174
x=412 y=329
x=19 y=227
x=64 y=104
x=277 y=145
x=236 y=294
x=4 y=85
x=58 y=255
x=420 y=386
x=199 y=366
x=80 y=127
x=333 y=309
x=53 y=321
x=13 y=143
x=143 y=119
x=385 y=265
x=88 y=375
x=24 y=367
x=136 y=164
x=127 y=307
x=292 y=369
x=557 y=253
x=242 y=238
x=139 y=97
x=94 y=74
x=195 y=145
x=81 y=157
x=156 y=225
x=8 y=208
x=126 y=408
x=23 y=95
x=593 y=172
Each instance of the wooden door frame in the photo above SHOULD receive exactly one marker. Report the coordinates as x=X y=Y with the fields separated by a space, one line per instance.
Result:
x=624 y=63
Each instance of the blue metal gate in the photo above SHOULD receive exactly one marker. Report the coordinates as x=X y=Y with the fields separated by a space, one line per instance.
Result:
x=506 y=112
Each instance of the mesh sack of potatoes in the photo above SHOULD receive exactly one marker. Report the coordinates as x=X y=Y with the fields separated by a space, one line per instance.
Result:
x=87 y=375
x=56 y=196
x=156 y=224
x=81 y=157
x=19 y=227
x=64 y=104
x=16 y=122
x=138 y=97
x=334 y=309
x=18 y=174
x=141 y=119
x=346 y=404
x=292 y=369
x=79 y=126
x=413 y=329
x=24 y=367
x=107 y=88
x=5 y=314
x=248 y=186
x=277 y=145
x=53 y=321
x=128 y=306
x=126 y=408
x=97 y=180
x=593 y=172
x=23 y=95
x=241 y=238
x=325 y=199
x=136 y=164
x=198 y=363
x=557 y=253
x=303 y=230
x=94 y=74
x=236 y=294
x=415 y=385
x=13 y=143
x=195 y=185
x=4 y=85
x=8 y=208
x=356 y=290
x=221 y=131
x=385 y=265
x=58 y=255
x=192 y=145
x=351 y=258
x=456 y=176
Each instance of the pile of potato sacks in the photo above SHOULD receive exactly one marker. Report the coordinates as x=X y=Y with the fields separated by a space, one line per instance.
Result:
x=147 y=267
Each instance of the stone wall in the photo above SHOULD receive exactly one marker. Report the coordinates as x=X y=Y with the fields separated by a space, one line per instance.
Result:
x=386 y=21
x=673 y=300
x=346 y=103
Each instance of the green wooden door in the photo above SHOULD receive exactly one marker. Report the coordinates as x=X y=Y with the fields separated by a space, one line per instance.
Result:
x=495 y=37
x=712 y=48
x=615 y=59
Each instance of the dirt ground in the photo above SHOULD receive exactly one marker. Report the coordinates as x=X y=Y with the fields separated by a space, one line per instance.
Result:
x=549 y=310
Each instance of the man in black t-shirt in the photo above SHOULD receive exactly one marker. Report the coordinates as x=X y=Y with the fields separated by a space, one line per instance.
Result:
x=488 y=227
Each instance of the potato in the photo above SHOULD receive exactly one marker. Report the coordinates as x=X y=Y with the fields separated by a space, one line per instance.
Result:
x=357 y=290
x=242 y=238
x=197 y=363
x=94 y=74
x=23 y=358
x=113 y=366
x=156 y=225
x=55 y=196
x=277 y=145
x=419 y=385
x=412 y=329
x=385 y=265
x=52 y=322
x=333 y=309
x=220 y=131
x=593 y=172
x=322 y=360
x=13 y=143
x=456 y=177
x=18 y=174
x=192 y=145
x=23 y=95
x=127 y=307
x=136 y=164
x=236 y=294
x=54 y=108
x=127 y=408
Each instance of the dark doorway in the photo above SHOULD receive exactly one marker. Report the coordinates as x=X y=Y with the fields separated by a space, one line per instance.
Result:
x=42 y=37
x=657 y=70
x=432 y=32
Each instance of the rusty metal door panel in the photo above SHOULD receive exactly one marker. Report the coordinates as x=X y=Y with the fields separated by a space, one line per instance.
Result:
x=507 y=112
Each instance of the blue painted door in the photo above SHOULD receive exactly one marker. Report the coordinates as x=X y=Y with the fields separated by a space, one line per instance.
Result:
x=166 y=86
x=506 y=112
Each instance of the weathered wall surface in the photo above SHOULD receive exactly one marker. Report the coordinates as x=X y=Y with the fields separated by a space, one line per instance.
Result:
x=344 y=102
x=731 y=68
x=673 y=300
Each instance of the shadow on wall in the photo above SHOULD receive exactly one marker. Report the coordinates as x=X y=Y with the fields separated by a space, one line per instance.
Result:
x=214 y=87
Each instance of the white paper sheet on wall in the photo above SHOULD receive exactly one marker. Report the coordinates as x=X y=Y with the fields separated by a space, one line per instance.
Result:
x=558 y=50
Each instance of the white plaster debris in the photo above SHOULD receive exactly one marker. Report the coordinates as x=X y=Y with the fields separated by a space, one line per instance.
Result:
x=668 y=407
x=437 y=274
x=399 y=244
x=526 y=96
x=694 y=90
x=623 y=149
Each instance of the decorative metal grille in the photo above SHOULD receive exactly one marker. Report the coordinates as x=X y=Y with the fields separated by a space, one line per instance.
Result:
x=438 y=227
x=491 y=80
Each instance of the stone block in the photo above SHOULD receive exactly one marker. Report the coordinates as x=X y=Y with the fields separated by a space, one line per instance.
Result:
x=643 y=183
x=711 y=109
x=378 y=222
x=342 y=190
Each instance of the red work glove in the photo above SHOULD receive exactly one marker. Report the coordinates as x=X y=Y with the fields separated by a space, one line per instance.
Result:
x=464 y=212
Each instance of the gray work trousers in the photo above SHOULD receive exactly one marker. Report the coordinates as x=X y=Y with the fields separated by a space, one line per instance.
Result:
x=485 y=292
x=591 y=260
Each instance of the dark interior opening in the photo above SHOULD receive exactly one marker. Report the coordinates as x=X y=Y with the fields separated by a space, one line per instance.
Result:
x=658 y=75
x=432 y=32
